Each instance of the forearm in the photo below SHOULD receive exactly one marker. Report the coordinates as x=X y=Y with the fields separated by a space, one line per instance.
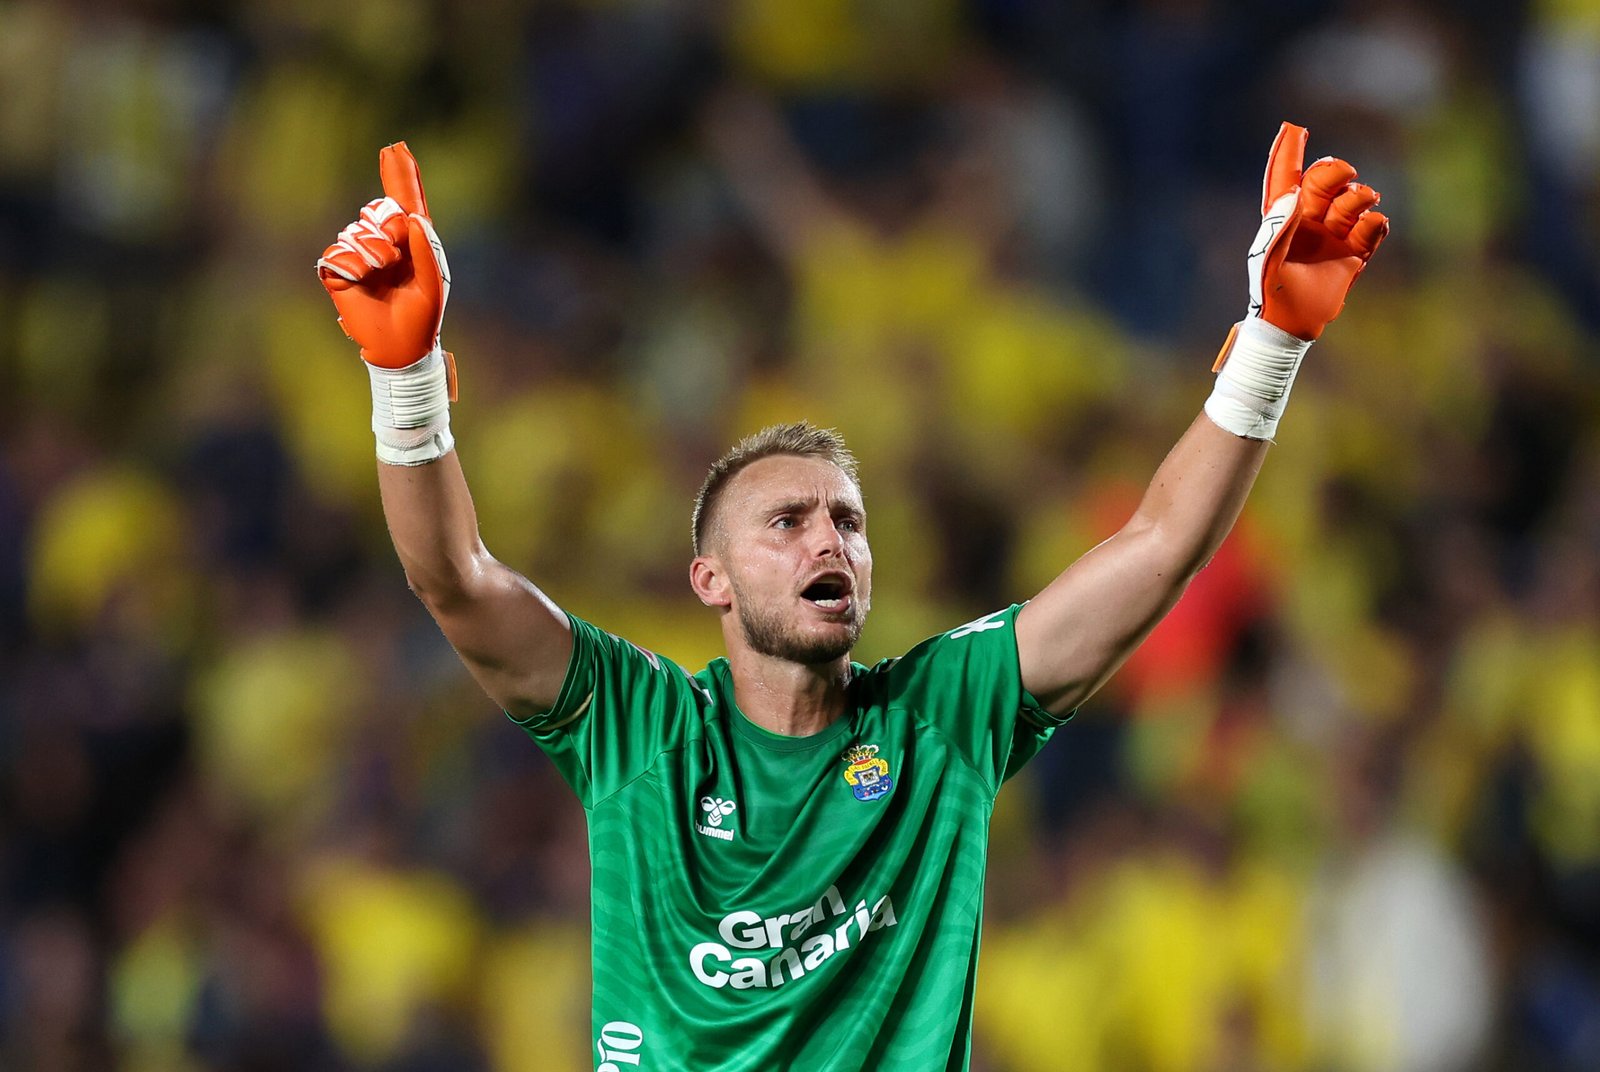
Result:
x=434 y=526
x=1195 y=497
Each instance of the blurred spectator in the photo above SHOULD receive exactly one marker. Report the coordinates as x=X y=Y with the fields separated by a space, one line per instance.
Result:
x=1399 y=970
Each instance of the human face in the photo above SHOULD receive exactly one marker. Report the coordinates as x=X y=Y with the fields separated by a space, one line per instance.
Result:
x=793 y=544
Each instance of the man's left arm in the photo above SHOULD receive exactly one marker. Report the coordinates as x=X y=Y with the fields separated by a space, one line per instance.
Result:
x=1319 y=229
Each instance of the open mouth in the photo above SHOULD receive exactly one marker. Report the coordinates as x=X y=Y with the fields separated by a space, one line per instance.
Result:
x=829 y=592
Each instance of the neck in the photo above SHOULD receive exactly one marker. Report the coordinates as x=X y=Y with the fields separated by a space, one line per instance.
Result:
x=794 y=699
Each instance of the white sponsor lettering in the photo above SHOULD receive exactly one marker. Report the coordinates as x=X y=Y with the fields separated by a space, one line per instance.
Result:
x=705 y=951
x=620 y=1044
x=743 y=930
x=717 y=965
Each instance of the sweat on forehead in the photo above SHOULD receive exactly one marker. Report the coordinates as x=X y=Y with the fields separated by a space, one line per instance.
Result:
x=801 y=439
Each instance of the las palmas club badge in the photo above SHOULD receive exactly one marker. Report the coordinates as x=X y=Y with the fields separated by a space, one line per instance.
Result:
x=867 y=774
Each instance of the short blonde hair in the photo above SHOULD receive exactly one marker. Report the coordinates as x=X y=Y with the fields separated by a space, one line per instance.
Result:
x=801 y=438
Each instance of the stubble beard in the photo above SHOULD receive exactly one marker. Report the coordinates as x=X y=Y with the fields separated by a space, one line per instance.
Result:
x=767 y=632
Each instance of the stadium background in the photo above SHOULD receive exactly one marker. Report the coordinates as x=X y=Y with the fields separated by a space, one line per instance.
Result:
x=1342 y=813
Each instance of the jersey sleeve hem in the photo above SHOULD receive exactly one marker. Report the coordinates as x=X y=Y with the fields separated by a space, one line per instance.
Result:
x=1031 y=711
x=569 y=705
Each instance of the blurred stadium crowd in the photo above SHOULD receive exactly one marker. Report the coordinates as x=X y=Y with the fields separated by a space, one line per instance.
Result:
x=1342 y=812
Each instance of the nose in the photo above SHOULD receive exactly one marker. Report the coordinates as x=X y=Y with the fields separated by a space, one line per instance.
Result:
x=829 y=541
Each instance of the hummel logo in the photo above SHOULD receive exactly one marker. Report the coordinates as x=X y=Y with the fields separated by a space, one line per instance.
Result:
x=716 y=809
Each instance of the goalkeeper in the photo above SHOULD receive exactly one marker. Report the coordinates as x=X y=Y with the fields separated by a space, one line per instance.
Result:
x=788 y=848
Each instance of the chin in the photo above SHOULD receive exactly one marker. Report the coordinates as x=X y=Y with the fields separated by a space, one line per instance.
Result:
x=797 y=644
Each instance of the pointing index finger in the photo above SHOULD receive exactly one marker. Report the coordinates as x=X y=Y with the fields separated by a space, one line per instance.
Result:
x=402 y=179
x=1284 y=164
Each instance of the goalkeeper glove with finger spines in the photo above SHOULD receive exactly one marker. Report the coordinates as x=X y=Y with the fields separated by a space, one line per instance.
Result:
x=389 y=280
x=1319 y=229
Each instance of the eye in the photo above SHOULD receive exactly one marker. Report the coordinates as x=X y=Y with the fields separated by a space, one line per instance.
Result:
x=848 y=524
x=783 y=522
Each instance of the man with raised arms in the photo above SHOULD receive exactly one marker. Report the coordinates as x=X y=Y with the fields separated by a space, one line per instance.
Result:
x=788 y=847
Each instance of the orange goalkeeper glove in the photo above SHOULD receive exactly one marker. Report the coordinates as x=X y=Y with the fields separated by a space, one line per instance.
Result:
x=389 y=280
x=1319 y=229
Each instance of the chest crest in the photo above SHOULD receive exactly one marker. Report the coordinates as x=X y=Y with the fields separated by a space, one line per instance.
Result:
x=866 y=774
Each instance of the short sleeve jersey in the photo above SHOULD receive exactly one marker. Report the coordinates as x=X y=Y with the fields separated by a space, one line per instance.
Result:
x=805 y=903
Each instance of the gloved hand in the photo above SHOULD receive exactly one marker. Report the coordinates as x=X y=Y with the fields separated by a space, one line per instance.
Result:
x=388 y=277
x=1319 y=228
x=387 y=272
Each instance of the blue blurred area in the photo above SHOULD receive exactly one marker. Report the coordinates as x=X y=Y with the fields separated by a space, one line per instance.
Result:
x=1342 y=812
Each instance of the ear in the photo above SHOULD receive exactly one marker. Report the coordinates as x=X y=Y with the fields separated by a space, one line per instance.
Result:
x=710 y=582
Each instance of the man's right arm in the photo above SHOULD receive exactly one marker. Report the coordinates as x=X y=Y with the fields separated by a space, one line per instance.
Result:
x=388 y=277
x=511 y=636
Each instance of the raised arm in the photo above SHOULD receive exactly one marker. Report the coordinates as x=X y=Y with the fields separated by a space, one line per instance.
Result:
x=389 y=279
x=1319 y=229
x=774 y=182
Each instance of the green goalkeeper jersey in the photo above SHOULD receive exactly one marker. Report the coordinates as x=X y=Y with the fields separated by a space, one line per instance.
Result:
x=802 y=903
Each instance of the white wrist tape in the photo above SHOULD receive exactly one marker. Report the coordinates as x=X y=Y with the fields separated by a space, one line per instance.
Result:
x=1257 y=372
x=411 y=411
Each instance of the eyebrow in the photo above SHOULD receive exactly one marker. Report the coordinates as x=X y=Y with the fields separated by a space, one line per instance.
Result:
x=792 y=505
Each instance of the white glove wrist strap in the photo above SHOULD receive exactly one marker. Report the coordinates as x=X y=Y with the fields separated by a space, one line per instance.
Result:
x=411 y=411
x=1257 y=372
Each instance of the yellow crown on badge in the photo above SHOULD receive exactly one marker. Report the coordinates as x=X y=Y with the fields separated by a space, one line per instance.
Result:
x=860 y=753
